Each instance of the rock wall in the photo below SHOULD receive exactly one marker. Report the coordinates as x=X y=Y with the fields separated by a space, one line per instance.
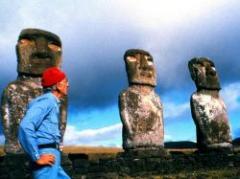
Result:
x=80 y=166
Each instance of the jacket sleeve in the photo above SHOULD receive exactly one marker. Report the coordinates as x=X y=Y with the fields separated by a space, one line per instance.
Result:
x=27 y=129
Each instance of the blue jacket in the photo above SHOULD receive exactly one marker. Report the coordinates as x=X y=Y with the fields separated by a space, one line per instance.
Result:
x=40 y=124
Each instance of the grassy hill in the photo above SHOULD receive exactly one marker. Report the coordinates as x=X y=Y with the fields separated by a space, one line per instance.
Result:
x=179 y=146
x=84 y=150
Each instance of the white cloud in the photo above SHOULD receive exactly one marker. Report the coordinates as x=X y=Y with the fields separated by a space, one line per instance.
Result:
x=152 y=13
x=231 y=96
x=106 y=136
x=167 y=137
x=173 y=110
x=109 y=135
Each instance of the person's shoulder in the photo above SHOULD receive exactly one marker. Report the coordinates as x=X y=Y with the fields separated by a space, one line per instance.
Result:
x=44 y=100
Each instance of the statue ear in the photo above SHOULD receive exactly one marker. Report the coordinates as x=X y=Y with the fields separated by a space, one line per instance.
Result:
x=192 y=66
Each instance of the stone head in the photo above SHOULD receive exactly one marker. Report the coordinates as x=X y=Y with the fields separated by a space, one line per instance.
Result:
x=37 y=50
x=140 y=67
x=204 y=74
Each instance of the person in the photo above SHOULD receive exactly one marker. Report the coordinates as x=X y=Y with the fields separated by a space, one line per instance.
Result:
x=39 y=133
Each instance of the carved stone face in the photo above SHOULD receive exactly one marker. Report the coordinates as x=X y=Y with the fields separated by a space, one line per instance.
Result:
x=204 y=74
x=140 y=67
x=37 y=50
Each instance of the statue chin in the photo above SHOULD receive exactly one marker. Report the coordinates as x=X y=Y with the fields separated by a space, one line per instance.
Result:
x=209 y=87
x=151 y=83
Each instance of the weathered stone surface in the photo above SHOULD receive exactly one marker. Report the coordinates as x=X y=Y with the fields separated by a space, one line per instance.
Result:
x=145 y=153
x=183 y=165
x=140 y=68
x=140 y=107
x=36 y=50
x=16 y=166
x=208 y=109
x=213 y=165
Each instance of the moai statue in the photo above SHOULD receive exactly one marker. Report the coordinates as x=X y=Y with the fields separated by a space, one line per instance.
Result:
x=208 y=109
x=140 y=107
x=36 y=50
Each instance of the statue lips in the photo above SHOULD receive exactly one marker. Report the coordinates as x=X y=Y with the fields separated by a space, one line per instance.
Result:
x=42 y=55
x=146 y=71
x=40 y=58
x=212 y=73
x=147 y=74
x=212 y=78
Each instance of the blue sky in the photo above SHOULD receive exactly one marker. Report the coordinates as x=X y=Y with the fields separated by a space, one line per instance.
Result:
x=95 y=35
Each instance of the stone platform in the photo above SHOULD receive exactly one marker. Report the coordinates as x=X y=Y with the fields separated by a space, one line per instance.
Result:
x=132 y=165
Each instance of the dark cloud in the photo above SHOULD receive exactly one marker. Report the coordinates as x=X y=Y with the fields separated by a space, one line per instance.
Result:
x=96 y=68
x=216 y=37
x=94 y=48
x=95 y=39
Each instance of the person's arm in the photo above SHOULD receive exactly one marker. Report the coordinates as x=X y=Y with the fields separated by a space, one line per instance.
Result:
x=26 y=134
x=27 y=137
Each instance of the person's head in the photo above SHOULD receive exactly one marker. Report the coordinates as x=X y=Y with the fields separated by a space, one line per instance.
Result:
x=140 y=68
x=37 y=50
x=55 y=80
x=203 y=73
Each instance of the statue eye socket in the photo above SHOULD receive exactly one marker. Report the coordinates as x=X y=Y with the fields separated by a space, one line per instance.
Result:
x=213 y=68
x=54 y=47
x=131 y=59
x=25 y=41
x=149 y=60
x=150 y=63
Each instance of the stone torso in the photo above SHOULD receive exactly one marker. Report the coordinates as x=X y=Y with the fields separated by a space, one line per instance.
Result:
x=210 y=116
x=14 y=102
x=141 y=115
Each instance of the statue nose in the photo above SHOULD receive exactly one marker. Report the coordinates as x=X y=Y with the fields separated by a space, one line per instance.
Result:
x=42 y=50
x=41 y=45
x=212 y=71
x=143 y=63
